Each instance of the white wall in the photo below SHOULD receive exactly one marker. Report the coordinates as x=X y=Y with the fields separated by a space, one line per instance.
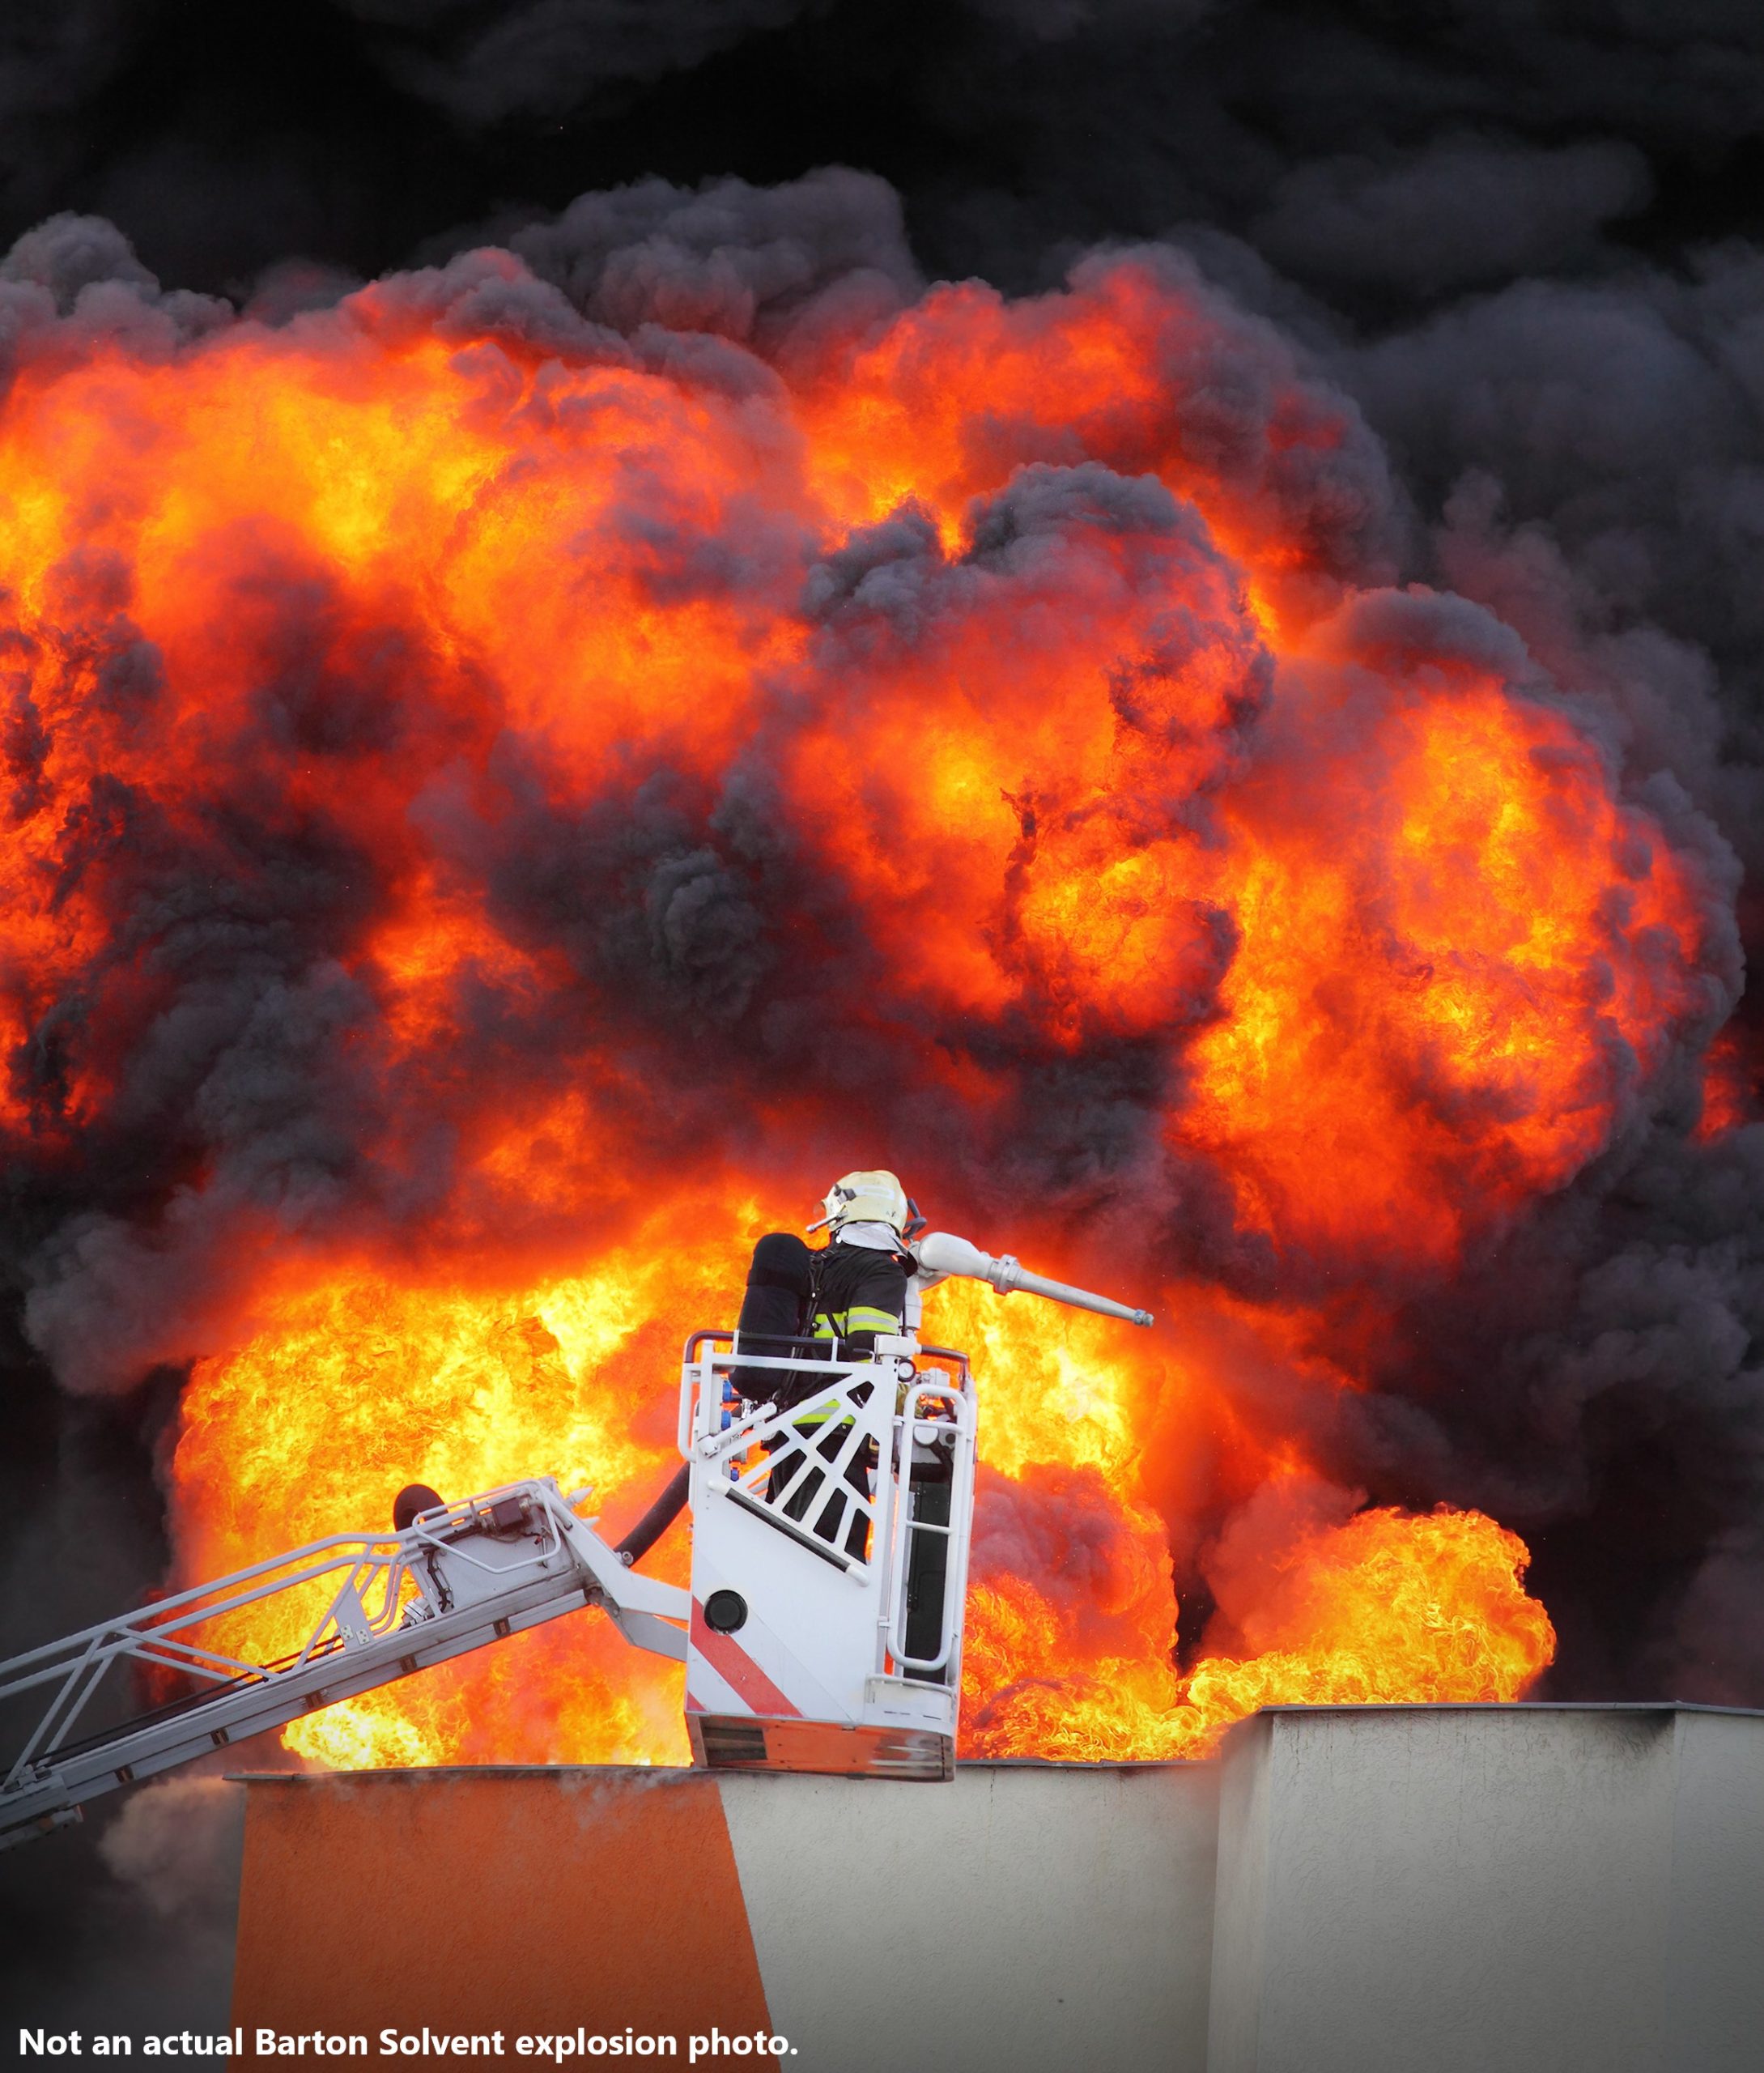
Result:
x=1714 y=1965
x=1026 y=1916
x=1530 y=1889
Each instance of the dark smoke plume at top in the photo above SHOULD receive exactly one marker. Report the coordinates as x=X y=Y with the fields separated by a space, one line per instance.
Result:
x=1449 y=322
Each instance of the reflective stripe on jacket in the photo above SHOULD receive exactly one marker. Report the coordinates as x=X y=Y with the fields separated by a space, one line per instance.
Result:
x=859 y=1293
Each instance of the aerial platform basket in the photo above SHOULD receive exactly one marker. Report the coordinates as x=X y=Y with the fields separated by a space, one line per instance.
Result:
x=830 y=1550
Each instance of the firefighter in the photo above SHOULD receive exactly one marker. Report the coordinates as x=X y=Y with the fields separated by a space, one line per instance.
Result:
x=866 y=1284
x=826 y=1306
x=842 y=1297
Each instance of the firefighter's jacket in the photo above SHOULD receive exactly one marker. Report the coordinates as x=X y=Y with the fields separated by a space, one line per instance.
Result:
x=860 y=1284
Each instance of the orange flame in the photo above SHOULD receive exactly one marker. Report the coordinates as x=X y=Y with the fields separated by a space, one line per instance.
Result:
x=1097 y=749
x=1385 y=1608
x=1730 y=1087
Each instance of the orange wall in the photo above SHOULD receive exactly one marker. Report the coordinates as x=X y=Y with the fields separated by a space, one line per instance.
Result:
x=529 y=1901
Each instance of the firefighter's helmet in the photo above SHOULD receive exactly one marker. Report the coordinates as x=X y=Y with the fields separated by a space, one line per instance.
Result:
x=870 y=1197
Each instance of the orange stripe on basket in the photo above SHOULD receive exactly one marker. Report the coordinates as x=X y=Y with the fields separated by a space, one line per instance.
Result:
x=737 y=1669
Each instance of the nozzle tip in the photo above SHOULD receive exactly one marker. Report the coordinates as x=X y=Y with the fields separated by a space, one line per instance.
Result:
x=1142 y=1317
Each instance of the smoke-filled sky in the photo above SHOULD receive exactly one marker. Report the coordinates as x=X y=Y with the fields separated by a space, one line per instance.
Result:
x=1510 y=252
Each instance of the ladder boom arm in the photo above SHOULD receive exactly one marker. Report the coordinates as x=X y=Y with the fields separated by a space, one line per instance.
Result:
x=457 y=1578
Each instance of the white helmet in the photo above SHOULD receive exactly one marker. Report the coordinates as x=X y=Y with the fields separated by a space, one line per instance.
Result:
x=870 y=1197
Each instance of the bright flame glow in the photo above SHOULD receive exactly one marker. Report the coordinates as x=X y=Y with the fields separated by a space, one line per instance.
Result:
x=1092 y=757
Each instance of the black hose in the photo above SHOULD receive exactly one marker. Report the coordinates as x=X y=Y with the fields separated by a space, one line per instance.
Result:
x=413 y=1498
x=655 y=1521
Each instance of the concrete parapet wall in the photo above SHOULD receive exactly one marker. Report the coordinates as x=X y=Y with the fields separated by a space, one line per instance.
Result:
x=1533 y=1889
x=473 y=1901
x=1027 y=1916
x=1529 y=1888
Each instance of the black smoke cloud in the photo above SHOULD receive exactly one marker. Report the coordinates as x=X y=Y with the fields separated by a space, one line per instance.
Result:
x=1457 y=137
x=1523 y=237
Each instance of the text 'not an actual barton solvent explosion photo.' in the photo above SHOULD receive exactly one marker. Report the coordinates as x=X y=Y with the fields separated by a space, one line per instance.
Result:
x=883 y=1151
